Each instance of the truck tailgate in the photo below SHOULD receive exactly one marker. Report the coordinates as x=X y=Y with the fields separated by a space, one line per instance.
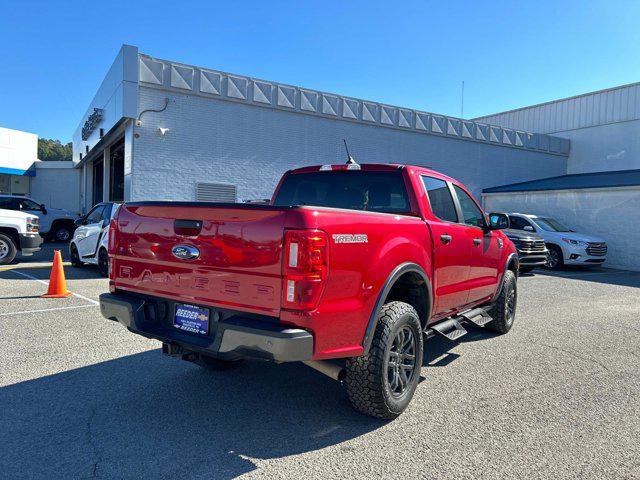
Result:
x=239 y=251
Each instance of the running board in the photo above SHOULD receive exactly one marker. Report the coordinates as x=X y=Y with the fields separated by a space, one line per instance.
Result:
x=478 y=316
x=452 y=328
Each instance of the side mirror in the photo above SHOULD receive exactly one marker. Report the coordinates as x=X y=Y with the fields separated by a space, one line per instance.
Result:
x=498 y=221
x=43 y=209
x=528 y=228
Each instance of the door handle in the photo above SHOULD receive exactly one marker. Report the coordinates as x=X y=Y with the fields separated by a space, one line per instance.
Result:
x=445 y=238
x=477 y=241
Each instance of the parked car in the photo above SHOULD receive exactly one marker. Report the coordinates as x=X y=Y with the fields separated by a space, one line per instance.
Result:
x=18 y=233
x=532 y=251
x=345 y=271
x=566 y=247
x=55 y=223
x=89 y=242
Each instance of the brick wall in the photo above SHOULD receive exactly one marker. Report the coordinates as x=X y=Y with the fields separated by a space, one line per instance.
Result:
x=213 y=140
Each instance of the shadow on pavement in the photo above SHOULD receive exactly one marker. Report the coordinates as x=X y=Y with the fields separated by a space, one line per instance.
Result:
x=608 y=276
x=437 y=350
x=86 y=272
x=146 y=415
x=45 y=254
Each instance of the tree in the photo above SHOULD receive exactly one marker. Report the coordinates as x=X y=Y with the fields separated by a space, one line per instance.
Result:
x=51 y=150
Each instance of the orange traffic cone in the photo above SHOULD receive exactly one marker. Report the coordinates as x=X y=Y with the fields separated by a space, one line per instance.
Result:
x=57 y=282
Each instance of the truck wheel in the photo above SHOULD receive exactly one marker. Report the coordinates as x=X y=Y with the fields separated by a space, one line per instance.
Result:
x=75 y=257
x=8 y=249
x=213 y=363
x=503 y=311
x=555 y=259
x=382 y=382
x=61 y=233
x=103 y=262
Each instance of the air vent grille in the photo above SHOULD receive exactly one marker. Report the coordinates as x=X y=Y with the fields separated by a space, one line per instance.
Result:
x=216 y=192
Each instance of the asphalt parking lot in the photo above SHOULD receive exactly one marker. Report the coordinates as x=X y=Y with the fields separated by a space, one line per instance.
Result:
x=558 y=397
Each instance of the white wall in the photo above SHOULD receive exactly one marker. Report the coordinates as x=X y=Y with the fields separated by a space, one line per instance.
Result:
x=613 y=214
x=18 y=150
x=57 y=185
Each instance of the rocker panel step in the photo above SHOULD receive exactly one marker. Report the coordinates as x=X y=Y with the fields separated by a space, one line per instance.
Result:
x=477 y=316
x=450 y=329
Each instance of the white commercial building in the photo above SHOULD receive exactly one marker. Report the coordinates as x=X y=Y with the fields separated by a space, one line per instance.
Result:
x=159 y=129
x=56 y=184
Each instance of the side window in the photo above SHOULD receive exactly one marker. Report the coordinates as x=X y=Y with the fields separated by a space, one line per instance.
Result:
x=472 y=215
x=440 y=199
x=7 y=203
x=518 y=223
x=106 y=215
x=95 y=215
x=26 y=204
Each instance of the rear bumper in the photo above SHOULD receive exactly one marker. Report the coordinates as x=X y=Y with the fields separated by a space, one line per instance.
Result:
x=232 y=335
x=30 y=243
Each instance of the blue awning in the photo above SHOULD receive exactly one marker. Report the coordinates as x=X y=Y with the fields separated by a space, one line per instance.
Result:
x=17 y=171
x=609 y=179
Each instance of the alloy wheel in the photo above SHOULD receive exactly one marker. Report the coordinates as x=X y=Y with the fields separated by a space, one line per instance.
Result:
x=4 y=249
x=62 y=234
x=401 y=361
x=552 y=258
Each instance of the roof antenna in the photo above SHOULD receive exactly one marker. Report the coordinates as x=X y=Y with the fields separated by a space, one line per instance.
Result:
x=350 y=160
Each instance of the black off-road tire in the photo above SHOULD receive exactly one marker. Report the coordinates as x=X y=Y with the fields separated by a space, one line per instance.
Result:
x=8 y=248
x=75 y=257
x=218 y=364
x=103 y=262
x=367 y=377
x=503 y=311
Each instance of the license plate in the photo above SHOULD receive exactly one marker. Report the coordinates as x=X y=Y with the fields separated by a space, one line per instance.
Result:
x=191 y=319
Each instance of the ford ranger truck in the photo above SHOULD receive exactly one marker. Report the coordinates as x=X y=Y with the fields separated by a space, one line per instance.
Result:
x=348 y=269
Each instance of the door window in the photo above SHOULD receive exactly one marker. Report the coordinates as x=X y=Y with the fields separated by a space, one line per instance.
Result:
x=106 y=215
x=471 y=213
x=26 y=204
x=95 y=215
x=440 y=199
x=518 y=223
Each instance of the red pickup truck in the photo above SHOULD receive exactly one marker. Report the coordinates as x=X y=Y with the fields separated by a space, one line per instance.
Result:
x=348 y=269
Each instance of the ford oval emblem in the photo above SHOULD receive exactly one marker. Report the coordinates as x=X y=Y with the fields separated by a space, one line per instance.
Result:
x=185 y=252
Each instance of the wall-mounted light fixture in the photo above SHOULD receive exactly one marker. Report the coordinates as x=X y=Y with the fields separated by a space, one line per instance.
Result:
x=163 y=131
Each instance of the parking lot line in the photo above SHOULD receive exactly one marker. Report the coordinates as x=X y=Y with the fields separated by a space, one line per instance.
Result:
x=46 y=310
x=46 y=283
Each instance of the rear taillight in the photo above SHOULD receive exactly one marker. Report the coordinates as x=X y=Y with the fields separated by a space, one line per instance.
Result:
x=306 y=262
x=112 y=245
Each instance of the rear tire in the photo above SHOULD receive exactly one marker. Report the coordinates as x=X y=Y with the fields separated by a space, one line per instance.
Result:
x=103 y=262
x=75 y=257
x=8 y=249
x=382 y=382
x=218 y=364
x=61 y=233
x=503 y=311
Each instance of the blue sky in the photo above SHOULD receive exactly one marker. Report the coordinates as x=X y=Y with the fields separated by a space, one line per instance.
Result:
x=53 y=55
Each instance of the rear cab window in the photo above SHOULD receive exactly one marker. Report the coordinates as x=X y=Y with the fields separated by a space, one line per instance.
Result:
x=372 y=191
x=440 y=199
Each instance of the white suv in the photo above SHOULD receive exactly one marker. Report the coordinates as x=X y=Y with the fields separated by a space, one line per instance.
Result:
x=55 y=223
x=566 y=247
